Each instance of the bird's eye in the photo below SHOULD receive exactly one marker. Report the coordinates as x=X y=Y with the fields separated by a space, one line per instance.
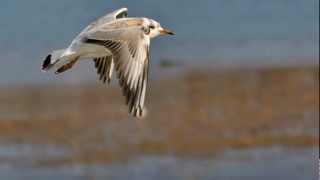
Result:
x=152 y=27
x=146 y=30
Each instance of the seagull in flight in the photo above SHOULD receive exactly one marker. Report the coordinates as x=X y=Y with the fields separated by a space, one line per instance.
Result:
x=114 y=41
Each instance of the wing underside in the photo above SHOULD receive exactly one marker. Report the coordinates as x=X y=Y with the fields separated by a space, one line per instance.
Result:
x=104 y=66
x=131 y=71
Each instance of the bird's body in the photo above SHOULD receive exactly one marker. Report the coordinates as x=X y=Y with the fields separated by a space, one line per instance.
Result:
x=114 y=41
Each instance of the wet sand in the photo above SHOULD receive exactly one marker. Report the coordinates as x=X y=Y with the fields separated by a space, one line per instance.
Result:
x=200 y=113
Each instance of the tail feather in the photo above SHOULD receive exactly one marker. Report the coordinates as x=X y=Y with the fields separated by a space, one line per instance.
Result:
x=52 y=59
x=47 y=63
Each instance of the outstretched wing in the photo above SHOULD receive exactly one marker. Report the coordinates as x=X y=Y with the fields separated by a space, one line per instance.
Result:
x=104 y=66
x=130 y=50
x=117 y=14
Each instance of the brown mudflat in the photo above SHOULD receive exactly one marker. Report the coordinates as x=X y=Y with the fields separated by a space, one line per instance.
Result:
x=196 y=114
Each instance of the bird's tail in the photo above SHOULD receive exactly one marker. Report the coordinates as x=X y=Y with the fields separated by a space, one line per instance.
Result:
x=52 y=59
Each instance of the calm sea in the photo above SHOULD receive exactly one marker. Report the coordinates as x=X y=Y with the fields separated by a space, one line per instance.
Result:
x=215 y=32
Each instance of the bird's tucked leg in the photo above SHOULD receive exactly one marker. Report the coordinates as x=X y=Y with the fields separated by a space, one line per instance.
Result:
x=67 y=66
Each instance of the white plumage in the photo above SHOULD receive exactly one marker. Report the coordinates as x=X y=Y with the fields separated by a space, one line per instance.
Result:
x=114 y=41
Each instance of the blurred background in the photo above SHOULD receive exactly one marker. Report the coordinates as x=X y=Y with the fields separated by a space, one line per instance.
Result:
x=235 y=94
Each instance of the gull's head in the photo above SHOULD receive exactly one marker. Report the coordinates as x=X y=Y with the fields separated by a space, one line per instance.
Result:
x=154 y=29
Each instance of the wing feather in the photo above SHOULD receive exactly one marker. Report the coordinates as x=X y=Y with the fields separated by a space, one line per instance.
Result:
x=117 y=14
x=104 y=66
x=130 y=52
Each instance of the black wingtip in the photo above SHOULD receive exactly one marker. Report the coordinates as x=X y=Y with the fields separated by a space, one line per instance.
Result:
x=46 y=63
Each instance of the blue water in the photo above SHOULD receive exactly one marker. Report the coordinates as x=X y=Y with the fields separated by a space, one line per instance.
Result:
x=216 y=32
x=19 y=162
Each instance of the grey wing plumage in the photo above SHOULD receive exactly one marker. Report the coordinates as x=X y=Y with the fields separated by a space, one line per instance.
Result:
x=130 y=50
x=104 y=66
x=117 y=14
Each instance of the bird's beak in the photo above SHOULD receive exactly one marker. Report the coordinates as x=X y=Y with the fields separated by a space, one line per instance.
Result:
x=164 y=31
